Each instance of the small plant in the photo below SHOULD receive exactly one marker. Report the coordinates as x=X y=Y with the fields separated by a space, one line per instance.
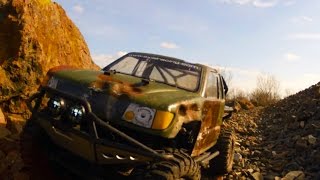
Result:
x=267 y=91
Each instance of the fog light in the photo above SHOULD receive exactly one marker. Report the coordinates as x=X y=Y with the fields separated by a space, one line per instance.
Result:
x=129 y=115
x=56 y=105
x=76 y=114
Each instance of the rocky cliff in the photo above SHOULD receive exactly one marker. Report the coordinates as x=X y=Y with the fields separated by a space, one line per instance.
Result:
x=35 y=35
x=281 y=141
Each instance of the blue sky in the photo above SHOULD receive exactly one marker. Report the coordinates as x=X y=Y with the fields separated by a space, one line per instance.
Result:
x=246 y=37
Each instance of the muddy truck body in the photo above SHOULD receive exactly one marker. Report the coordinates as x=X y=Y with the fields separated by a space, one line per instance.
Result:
x=157 y=117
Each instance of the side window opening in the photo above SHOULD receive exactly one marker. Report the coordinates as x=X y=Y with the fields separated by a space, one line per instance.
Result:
x=212 y=86
x=218 y=87
x=221 y=89
x=127 y=65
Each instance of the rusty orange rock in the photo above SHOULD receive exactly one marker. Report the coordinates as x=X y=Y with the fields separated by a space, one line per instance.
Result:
x=36 y=35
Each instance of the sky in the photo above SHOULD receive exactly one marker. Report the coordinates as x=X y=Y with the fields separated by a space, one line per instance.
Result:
x=244 y=38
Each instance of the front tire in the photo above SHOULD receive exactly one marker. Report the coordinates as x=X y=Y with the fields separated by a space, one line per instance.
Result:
x=35 y=145
x=181 y=166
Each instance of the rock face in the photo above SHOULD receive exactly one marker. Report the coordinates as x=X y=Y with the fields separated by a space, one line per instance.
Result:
x=282 y=140
x=294 y=133
x=35 y=35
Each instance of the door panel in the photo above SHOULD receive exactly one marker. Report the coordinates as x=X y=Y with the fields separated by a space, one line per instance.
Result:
x=212 y=112
x=210 y=126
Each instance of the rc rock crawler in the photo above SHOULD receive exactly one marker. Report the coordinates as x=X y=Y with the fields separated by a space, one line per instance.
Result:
x=147 y=116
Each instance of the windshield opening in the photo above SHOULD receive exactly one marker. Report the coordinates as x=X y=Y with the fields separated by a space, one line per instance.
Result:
x=161 y=69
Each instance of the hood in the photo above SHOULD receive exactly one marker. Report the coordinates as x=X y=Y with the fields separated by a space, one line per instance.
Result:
x=152 y=94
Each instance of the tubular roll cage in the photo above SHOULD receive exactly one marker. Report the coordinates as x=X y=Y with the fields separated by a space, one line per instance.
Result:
x=145 y=150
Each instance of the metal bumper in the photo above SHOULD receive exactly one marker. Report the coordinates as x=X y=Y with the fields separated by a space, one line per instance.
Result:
x=87 y=144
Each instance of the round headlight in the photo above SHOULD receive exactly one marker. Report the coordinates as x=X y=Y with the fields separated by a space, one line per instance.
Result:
x=144 y=116
x=136 y=114
x=76 y=113
x=56 y=105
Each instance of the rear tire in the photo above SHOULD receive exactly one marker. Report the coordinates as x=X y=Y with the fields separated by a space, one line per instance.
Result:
x=180 y=166
x=223 y=163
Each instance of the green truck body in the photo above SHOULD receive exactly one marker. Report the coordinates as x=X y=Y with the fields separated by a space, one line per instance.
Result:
x=133 y=109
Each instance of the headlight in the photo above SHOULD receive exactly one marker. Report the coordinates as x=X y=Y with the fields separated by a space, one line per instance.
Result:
x=147 y=117
x=142 y=116
x=56 y=105
x=76 y=114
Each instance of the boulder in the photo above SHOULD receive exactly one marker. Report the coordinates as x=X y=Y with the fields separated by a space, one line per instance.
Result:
x=245 y=103
x=256 y=175
x=234 y=104
x=35 y=35
x=294 y=175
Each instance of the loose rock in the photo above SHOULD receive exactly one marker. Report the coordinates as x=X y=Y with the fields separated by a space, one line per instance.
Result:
x=294 y=175
x=279 y=139
x=312 y=140
x=3 y=121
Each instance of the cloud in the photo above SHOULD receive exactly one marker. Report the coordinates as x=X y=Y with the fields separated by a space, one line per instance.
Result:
x=301 y=20
x=289 y=3
x=121 y=53
x=291 y=57
x=103 y=60
x=304 y=36
x=169 y=45
x=254 y=3
x=240 y=2
x=78 y=9
x=264 y=4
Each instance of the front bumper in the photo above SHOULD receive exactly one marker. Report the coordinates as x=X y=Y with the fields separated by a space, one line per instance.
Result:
x=87 y=144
